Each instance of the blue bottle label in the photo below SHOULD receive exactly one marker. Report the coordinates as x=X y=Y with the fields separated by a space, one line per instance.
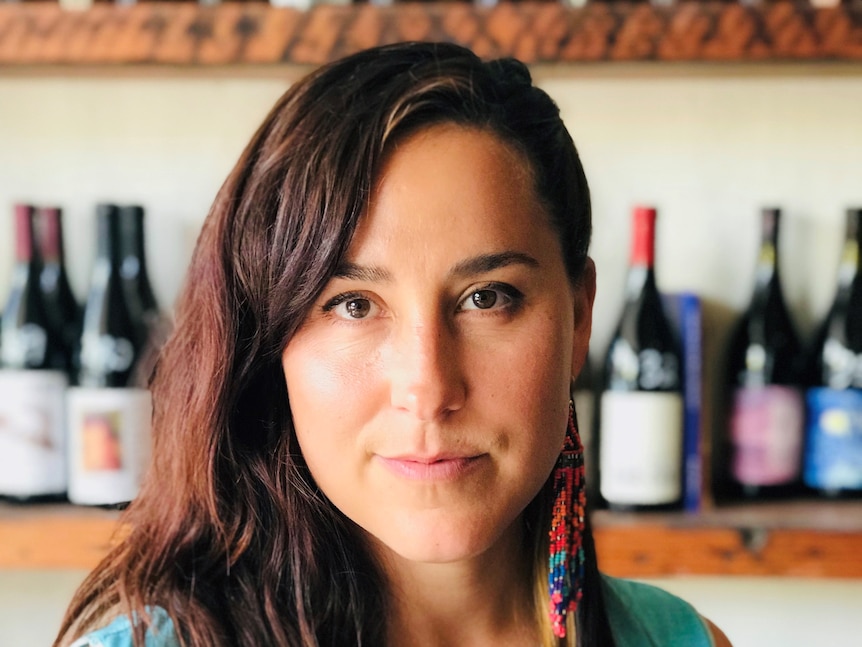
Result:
x=833 y=454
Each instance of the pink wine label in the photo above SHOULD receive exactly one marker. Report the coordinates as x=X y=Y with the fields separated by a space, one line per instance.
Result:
x=833 y=453
x=766 y=431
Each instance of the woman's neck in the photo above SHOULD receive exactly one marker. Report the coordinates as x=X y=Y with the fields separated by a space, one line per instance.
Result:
x=483 y=600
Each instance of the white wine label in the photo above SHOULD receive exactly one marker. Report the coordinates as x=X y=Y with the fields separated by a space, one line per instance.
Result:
x=32 y=433
x=766 y=428
x=640 y=456
x=109 y=443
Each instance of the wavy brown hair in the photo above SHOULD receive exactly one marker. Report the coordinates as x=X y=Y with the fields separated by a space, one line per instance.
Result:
x=230 y=534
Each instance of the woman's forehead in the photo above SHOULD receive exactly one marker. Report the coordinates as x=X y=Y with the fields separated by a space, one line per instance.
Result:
x=451 y=185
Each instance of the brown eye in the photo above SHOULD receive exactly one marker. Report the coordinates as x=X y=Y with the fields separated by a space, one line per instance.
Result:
x=357 y=308
x=484 y=299
x=497 y=297
x=352 y=306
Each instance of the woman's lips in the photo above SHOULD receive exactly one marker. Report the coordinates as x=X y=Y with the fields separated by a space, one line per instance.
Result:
x=435 y=469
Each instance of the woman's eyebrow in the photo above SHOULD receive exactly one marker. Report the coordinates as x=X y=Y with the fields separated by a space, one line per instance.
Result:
x=371 y=274
x=466 y=268
x=489 y=262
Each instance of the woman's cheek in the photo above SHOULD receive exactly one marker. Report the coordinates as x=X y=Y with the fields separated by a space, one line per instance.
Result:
x=329 y=380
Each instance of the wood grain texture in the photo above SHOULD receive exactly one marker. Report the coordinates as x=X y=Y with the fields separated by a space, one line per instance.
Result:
x=185 y=33
x=658 y=551
x=749 y=540
x=55 y=537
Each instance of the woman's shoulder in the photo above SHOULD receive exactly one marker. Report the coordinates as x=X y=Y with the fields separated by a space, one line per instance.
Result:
x=640 y=612
x=120 y=631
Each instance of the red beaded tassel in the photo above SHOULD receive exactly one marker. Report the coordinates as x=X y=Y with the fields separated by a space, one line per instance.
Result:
x=566 y=563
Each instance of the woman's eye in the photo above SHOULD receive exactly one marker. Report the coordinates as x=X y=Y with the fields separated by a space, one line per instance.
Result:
x=349 y=306
x=484 y=299
x=490 y=297
x=357 y=308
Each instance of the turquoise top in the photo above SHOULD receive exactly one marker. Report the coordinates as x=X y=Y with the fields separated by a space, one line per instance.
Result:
x=640 y=615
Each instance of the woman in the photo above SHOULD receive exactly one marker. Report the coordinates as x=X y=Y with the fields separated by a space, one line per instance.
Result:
x=363 y=428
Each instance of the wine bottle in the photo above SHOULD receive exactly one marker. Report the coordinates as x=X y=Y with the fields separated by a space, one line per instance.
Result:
x=62 y=311
x=641 y=408
x=765 y=366
x=143 y=307
x=32 y=382
x=108 y=419
x=833 y=448
x=25 y=329
x=109 y=339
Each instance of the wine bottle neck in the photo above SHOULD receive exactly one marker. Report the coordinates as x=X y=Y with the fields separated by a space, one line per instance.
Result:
x=24 y=248
x=132 y=242
x=767 y=264
x=639 y=279
x=849 y=266
x=767 y=258
x=643 y=239
x=51 y=239
x=108 y=248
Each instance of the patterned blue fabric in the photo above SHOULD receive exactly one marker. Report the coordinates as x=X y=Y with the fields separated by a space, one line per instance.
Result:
x=640 y=615
x=119 y=633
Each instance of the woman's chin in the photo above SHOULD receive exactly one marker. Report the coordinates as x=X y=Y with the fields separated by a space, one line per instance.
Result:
x=440 y=544
x=437 y=553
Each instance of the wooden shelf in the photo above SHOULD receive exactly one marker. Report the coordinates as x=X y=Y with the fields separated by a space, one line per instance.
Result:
x=805 y=539
x=812 y=539
x=55 y=536
x=257 y=34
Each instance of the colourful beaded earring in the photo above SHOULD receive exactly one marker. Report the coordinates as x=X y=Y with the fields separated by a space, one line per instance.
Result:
x=566 y=564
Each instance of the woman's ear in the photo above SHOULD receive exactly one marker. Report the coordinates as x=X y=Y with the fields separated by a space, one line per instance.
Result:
x=585 y=294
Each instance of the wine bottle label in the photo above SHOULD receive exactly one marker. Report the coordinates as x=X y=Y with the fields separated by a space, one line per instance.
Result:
x=766 y=428
x=103 y=354
x=843 y=367
x=32 y=433
x=640 y=456
x=658 y=370
x=109 y=443
x=651 y=369
x=833 y=453
x=24 y=345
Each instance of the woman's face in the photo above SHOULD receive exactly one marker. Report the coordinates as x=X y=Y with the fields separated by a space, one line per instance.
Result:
x=429 y=384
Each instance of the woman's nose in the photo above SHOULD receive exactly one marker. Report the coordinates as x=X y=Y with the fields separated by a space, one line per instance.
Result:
x=426 y=376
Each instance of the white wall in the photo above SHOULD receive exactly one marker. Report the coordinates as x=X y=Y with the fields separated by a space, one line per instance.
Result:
x=708 y=149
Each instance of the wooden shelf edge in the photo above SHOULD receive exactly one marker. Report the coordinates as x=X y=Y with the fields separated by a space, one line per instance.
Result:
x=803 y=538
x=55 y=537
x=67 y=537
x=189 y=34
x=660 y=551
